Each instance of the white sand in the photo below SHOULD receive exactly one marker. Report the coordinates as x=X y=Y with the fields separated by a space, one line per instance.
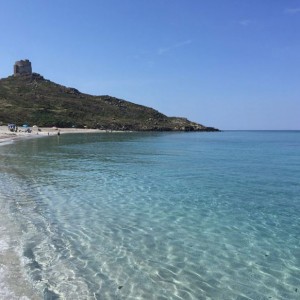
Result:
x=7 y=136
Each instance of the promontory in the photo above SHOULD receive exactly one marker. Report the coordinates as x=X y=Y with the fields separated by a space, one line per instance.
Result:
x=26 y=97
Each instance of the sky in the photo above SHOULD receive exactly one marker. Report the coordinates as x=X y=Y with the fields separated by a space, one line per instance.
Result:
x=233 y=65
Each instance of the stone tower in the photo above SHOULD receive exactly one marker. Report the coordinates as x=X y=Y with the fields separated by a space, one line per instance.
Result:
x=22 y=67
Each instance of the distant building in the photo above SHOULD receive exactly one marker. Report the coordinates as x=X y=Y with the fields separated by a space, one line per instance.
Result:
x=22 y=67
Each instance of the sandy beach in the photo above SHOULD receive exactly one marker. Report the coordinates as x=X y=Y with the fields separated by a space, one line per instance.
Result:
x=7 y=136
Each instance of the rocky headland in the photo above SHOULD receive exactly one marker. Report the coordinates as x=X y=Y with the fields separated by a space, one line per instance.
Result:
x=27 y=97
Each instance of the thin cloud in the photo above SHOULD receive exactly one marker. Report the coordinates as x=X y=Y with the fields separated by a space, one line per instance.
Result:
x=292 y=11
x=245 y=22
x=175 y=46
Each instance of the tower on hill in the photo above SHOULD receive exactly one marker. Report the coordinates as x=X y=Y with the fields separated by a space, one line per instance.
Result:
x=22 y=67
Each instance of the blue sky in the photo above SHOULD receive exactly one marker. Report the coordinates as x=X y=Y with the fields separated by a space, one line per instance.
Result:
x=231 y=64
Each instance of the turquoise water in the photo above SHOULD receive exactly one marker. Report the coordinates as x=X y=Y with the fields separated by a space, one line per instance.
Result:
x=156 y=215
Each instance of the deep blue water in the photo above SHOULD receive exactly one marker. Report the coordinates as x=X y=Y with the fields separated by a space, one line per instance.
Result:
x=157 y=215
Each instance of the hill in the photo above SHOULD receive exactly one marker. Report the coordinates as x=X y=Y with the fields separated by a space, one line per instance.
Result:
x=32 y=99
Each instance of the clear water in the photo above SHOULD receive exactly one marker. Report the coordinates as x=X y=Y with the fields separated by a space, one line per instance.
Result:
x=156 y=215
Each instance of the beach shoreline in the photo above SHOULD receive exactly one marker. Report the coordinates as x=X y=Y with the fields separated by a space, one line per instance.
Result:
x=14 y=283
x=11 y=267
x=6 y=136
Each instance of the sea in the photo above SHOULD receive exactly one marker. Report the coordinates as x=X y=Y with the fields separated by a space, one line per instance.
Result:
x=200 y=215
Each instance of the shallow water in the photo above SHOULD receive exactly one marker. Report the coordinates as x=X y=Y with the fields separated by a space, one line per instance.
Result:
x=155 y=215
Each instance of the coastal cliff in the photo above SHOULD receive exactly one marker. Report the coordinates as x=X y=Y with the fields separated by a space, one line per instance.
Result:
x=31 y=99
